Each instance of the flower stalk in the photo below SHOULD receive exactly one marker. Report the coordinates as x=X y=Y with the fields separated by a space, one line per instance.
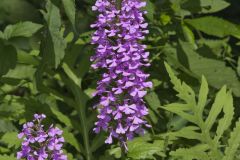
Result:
x=119 y=29
x=39 y=143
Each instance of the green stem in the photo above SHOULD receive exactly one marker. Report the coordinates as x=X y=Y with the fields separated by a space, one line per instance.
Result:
x=123 y=153
x=81 y=111
x=80 y=100
x=166 y=140
x=206 y=136
x=119 y=4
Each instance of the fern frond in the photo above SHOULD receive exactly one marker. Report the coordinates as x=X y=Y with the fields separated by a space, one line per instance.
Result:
x=195 y=153
x=216 y=108
x=192 y=111
x=182 y=110
x=202 y=100
x=189 y=132
x=225 y=122
x=233 y=143
x=184 y=91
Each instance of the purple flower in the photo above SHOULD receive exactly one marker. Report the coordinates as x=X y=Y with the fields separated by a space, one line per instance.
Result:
x=39 y=144
x=54 y=131
x=122 y=57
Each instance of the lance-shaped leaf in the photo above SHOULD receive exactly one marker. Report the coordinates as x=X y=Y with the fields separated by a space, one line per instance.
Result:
x=69 y=6
x=225 y=122
x=216 y=108
x=202 y=98
x=183 y=110
x=53 y=44
x=190 y=132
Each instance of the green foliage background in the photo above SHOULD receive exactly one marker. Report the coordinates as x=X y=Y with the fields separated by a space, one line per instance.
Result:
x=195 y=56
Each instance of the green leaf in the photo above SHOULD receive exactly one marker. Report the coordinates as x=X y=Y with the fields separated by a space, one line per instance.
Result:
x=216 y=108
x=69 y=156
x=238 y=67
x=165 y=19
x=52 y=104
x=153 y=101
x=188 y=132
x=21 y=72
x=81 y=100
x=233 y=143
x=61 y=117
x=202 y=98
x=69 y=6
x=11 y=139
x=225 y=122
x=27 y=58
x=184 y=91
x=197 y=152
x=71 y=75
x=176 y=123
x=214 y=26
x=146 y=151
x=213 y=48
x=70 y=138
x=223 y=104
x=181 y=110
x=1 y=35
x=11 y=110
x=188 y=7
x=116 y=152
x=139 y=148
x=211 y=6
x=188 y=35
x=150 y=10
x=184 y=8
x=21 y=29
x=21 y=11
x=6 y=126
x=8 y=58
x=53 y=45
x=212 y=69
x=204 y=6
x=3 y=157
x=98 y=141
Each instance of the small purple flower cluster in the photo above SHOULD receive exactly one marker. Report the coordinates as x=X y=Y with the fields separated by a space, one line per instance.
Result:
x=121 y=56
x=39 y=144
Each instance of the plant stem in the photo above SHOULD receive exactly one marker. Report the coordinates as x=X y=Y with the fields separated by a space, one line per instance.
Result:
x=81 y=111
x=206 y=136
x=123 y=153
x=80 y=100
x=119 y=4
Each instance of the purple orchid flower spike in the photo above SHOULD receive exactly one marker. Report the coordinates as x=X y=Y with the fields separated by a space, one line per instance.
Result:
x=122 y=57
x=39 y=144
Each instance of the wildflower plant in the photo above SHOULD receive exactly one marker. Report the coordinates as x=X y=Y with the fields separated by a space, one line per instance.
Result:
x=39 y=144
x=45 y=66
x=120 y=28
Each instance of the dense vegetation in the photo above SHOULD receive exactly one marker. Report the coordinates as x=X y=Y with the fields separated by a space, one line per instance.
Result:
x=195 y=68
